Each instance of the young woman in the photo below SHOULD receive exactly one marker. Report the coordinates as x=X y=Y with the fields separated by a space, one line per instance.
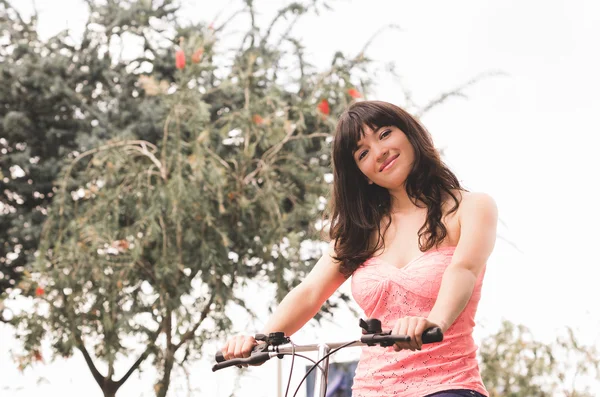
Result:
x=416 y=245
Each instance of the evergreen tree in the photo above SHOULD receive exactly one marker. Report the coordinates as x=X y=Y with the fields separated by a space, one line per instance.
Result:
x=61 y=97
x=148 y=235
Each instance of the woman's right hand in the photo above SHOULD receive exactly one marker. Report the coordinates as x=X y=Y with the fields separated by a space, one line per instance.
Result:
x=239 y=346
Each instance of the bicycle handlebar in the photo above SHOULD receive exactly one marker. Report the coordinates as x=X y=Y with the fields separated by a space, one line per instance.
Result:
x=263 y=352
x=430 y=335
x=256 y=358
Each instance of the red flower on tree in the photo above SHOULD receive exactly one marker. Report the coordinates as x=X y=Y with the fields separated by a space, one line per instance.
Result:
x=324 y=107
x=354 y=93
x=39 y=291
x=37 y=355
x=180 y=56
x=180 y=59
x=257 y=119
x=197 y=56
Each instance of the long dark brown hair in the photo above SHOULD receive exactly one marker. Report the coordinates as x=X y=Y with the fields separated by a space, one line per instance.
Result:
x=357 y=208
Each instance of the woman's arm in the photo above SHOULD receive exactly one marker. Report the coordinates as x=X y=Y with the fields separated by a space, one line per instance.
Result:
x=304 y=301
x=299 y=305
x=478 y=218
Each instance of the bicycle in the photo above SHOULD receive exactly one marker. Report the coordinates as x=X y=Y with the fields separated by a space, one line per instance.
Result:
x=278 y=345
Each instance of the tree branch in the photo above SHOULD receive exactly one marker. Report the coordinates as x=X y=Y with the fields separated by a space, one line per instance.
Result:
x=231 y=17
x=374 y=36
x=293 y=7
x=17 y=14
x=455 y=92
x=79 y=344
x=218 y=158
x=188 y=335
x=139 y=361
x=96 y=150
x=163 y=155
x=90 y=363
x=269 y=154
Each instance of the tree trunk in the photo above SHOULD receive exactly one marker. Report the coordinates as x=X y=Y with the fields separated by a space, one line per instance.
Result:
x=166 y=380
x=110 y=388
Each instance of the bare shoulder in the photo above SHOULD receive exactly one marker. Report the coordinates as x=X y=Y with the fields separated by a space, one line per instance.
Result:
x=478 y=208
x=477 y=201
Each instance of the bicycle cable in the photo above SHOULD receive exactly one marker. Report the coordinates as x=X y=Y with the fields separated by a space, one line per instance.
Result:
x=317 y=364
x=293 y=353
x=287 y=389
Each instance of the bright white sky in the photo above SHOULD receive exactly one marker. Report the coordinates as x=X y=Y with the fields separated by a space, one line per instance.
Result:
x=529 y=139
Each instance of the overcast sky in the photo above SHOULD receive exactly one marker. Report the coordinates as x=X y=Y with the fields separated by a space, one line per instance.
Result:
x=528 y=138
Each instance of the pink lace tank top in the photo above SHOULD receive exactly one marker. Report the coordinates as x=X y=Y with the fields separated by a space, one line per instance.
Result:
x=386 y=292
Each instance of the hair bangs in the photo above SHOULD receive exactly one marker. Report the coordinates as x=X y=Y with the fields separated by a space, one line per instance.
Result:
x=371 y=114
x=350 y=131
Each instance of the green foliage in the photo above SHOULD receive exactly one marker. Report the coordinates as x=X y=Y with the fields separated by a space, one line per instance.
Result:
x=60 y=98
x=514 y=364
x=211 y=175
x=37 y=129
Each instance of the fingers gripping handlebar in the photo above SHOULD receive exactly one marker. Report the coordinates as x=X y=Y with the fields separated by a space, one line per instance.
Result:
x=273 y=339
x=374 y=336
x=257 y=350
x=430 y=335
x=254 y=359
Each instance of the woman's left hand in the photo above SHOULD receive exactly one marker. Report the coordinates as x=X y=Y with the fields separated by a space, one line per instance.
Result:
x=413 y=327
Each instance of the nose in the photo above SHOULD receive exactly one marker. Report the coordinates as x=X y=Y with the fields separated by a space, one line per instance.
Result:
x=381 y=153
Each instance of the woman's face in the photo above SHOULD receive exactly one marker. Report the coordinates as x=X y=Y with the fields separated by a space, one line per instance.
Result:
x=384 y=156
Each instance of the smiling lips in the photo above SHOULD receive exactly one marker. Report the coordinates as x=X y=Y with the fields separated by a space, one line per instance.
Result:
x=388 y=163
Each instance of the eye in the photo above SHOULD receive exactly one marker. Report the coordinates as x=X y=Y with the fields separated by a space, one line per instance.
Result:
x=385 y=133
x=362 y=154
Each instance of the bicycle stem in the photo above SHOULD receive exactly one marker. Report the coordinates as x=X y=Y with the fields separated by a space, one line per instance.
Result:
x=321 y=377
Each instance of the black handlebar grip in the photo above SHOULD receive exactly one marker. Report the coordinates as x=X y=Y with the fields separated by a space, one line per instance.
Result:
x=257 y=358
x=261 y=347
x=383 y=340
x=432 y=335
